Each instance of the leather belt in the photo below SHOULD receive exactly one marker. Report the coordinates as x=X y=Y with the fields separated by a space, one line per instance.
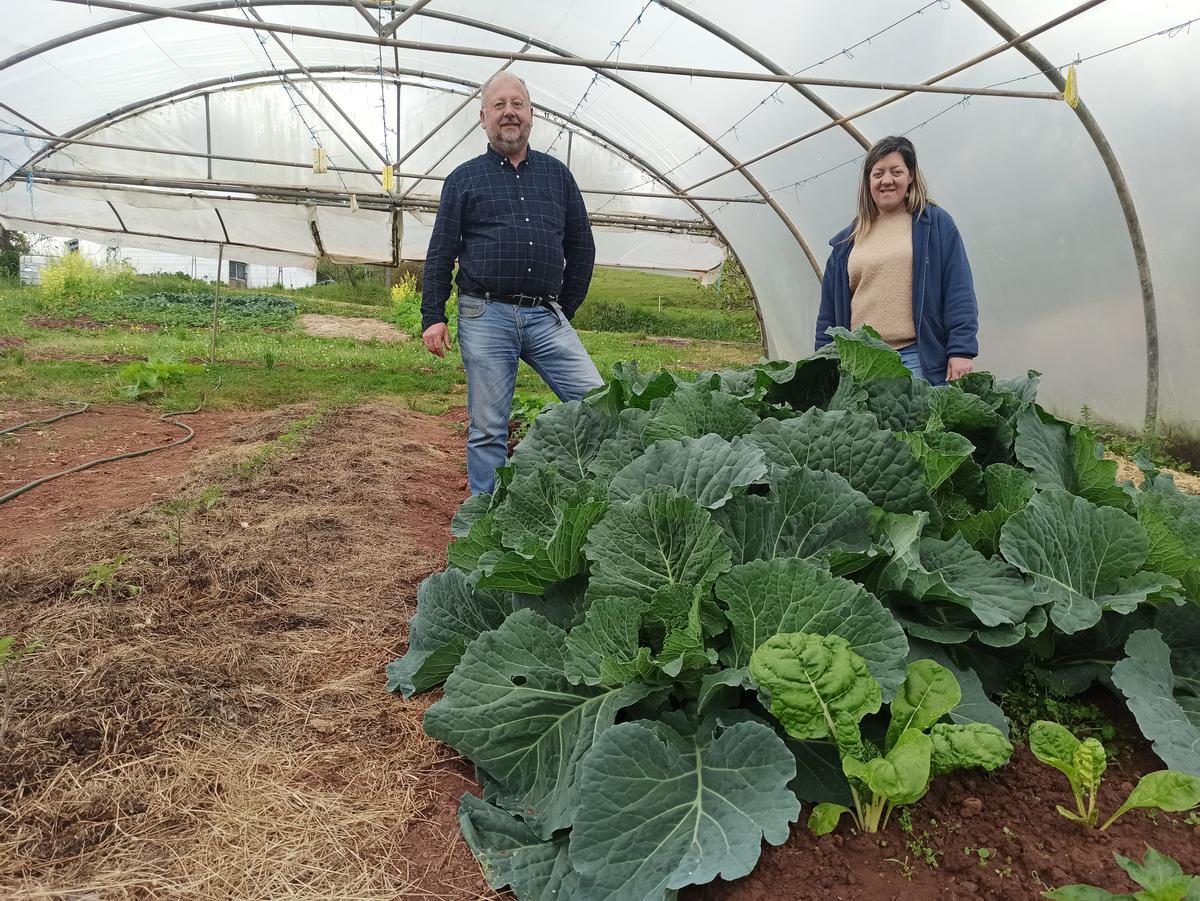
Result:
x=523 y=300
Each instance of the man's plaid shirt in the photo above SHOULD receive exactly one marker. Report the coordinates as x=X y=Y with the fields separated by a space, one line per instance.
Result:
x=513 y=231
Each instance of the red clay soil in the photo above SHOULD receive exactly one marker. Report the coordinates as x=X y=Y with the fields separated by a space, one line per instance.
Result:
x=987 y=836
x=102 y=431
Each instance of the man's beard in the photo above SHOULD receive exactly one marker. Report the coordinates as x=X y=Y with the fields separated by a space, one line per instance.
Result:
x=509 y=146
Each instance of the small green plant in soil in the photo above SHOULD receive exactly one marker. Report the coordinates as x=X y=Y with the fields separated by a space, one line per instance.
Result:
x=821 y=689
x=917 y=845
x=1161 y=878
x=101 y=578
x=149 y=379
x=11 y=656
x=1084 y=763
x=179 y=507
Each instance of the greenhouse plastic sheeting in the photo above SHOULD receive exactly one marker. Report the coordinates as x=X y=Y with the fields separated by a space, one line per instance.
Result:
x=1055 y=270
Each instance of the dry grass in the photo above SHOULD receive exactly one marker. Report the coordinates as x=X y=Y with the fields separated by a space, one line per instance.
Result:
x=224 y=733
x=1127 y=471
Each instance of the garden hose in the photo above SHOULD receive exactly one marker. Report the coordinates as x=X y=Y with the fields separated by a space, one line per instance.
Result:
x=17 y=492
x=82 y=409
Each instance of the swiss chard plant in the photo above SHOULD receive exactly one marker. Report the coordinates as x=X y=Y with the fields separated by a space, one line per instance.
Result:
x=821 y=690
x=1161 y=879
x=1084 y=763
x=598 y=627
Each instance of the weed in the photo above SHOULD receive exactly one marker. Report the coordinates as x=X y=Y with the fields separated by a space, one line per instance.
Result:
x=179 y=507
x=525 y=410
x=101 y=578
x=268 y=359
x=905 y=866
x=1128 y=444
x=11 y=656
x=295 y=435
x=982 y=853
x=150 y=379
x=1026 y=701
x=72 y=279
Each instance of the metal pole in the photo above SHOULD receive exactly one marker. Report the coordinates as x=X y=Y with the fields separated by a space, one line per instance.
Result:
x=357 y=4
x=324 y=93
x=550 y=59
x=887 y=101
x=208 y=134
x=212 y=352
x=1124 y=196
x=763 y=60
x=413 y=9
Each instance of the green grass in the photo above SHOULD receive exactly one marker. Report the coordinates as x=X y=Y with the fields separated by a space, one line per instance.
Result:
x=619 y=300
x=260 y=368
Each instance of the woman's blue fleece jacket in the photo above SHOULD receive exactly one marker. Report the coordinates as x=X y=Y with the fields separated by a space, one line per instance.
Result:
x=944 y=308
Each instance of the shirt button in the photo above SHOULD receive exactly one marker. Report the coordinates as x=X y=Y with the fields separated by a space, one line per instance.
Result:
x=526 y=218
x=529 y=270
x=530 y=243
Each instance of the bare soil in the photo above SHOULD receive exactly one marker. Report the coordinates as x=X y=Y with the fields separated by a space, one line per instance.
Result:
x=213 y=723
x=974 y=835
x=101 y=431
x=350 y=327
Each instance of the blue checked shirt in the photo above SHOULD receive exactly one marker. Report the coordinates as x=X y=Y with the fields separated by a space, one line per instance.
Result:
x=513 y=231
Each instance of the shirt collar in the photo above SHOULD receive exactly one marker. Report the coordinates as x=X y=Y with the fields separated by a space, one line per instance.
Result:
x=529 y=155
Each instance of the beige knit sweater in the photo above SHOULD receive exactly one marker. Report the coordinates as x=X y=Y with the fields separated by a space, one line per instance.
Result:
x=880 y=268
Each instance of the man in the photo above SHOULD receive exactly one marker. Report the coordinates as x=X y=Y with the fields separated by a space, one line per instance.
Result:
x=515 y=221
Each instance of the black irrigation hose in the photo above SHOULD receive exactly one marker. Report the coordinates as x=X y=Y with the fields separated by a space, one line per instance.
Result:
x=137 y=453
x=82 y=408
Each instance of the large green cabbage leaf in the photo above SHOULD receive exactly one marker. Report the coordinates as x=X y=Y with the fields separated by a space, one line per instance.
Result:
x=510 y=708
x=765 y=598
x=661 y=810
x=1166 y=705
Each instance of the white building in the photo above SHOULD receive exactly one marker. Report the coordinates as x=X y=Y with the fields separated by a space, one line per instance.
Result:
x=233 y=271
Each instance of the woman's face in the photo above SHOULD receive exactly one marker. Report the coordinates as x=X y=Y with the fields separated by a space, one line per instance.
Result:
x=890 y=179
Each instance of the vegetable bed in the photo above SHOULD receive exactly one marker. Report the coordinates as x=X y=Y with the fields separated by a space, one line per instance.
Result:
x=694 y=614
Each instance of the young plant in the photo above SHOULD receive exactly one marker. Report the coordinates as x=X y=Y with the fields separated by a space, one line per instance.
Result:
x=1084 y=763
x=821 y=689
x=101 y=578
x=151 y=378
x=179 y=507
x=1161 y=879
x=11 y=655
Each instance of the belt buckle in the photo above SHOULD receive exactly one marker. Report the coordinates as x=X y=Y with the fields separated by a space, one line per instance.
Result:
x=528 y=300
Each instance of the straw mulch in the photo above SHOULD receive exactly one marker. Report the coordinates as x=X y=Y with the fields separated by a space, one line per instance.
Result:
x=223 y=732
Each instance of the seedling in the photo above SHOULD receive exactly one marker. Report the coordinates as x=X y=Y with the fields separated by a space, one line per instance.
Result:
x=11 y=655
x=179 y=507
x=821 y=689
x=1084 y=763
x=1161 y=879
x=102 y=578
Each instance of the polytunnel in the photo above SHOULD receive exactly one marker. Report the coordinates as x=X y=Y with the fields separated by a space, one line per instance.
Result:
x=286 y=130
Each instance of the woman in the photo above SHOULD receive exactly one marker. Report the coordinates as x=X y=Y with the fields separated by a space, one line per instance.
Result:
x=901 y=268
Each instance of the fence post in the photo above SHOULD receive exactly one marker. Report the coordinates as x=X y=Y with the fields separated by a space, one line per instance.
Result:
x=212 y=353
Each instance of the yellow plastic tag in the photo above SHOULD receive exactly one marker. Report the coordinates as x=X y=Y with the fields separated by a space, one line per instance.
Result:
x=388 y=179
x=320 y=161
x=1071 y=94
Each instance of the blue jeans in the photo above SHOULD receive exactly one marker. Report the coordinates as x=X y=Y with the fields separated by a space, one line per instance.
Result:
x=494 y=337
x=909 y=357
